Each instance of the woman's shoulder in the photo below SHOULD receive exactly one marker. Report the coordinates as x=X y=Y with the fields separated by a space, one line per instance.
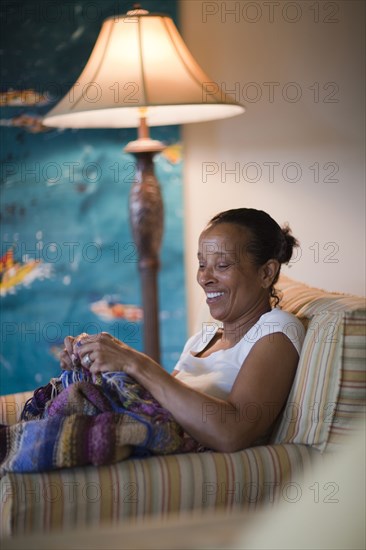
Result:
x=278 y=320
x=280 y=316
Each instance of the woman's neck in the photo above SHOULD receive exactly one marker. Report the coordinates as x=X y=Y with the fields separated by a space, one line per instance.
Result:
x=233 y=332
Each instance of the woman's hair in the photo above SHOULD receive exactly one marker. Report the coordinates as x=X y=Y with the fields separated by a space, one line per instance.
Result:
x=268 y=240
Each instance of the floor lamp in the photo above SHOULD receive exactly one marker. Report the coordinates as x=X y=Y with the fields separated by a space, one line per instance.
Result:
x=141 y=74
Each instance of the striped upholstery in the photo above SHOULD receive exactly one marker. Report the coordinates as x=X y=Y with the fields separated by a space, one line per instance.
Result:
x=138 y=488
x=327 y=395
x=11 y=406
x=352 y=394
x=329 y=388
x=303 y=300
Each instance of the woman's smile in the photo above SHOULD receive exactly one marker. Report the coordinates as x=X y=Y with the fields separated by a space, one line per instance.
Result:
x=213 y=296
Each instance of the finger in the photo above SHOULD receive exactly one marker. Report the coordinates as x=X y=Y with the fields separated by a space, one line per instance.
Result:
x=98 y=367
x=85 y=349
x=103 y=337
x=95 y=368
x=98 y=345
x=65 y=360
x=107 y=336
x=87 y=361
x=78 y=340
x=69 y=341
x=89 y=338
x=82 y=341
x=78 y=344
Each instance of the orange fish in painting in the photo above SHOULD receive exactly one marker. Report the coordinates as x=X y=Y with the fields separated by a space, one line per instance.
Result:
x=14 y=273
x=31 y=123
x=110 y=311
x=16 y=98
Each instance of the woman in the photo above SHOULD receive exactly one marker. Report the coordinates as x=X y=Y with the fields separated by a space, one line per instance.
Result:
x=226 y=390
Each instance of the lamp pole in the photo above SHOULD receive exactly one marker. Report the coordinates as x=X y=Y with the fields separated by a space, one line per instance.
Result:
x=146 y=213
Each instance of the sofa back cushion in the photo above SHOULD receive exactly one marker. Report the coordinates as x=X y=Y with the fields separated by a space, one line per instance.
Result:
x=328 y=393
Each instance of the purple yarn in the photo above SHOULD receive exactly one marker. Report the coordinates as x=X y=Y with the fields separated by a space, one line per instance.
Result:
x=80 y=397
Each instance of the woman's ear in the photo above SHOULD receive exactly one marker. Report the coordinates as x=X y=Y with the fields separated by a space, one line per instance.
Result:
x=269 y=271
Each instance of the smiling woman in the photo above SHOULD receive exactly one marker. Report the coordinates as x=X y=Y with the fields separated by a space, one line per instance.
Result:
x=249 y=362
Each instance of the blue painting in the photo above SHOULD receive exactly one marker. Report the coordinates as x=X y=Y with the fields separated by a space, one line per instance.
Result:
x=68 y=260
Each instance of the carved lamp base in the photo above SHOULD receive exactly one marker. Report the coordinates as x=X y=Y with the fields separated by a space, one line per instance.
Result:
x=146 y=217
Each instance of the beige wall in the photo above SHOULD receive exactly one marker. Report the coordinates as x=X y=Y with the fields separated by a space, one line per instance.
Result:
x=298 y=150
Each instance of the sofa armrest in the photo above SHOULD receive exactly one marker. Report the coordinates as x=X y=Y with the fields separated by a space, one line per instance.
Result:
x=11 y=406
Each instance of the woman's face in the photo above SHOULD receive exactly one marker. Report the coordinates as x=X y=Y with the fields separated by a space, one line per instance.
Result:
x=234 y=285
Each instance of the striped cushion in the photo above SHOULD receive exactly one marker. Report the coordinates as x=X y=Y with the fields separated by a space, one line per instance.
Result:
x=138 y=488
x=304 y=301
x=310 y=406
x=352 y=395
x=11 y=406
x=329 y=387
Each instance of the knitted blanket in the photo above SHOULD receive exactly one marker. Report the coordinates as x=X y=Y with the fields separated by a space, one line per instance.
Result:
x=79 y=419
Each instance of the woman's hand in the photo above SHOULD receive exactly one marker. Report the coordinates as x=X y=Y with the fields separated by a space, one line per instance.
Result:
x=68 y=359
x=65 y=360
x=102 y=353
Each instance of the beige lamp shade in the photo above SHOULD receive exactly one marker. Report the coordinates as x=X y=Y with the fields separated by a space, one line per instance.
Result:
x=140 y=66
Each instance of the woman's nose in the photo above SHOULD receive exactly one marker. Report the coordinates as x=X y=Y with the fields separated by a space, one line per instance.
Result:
x=205 y=276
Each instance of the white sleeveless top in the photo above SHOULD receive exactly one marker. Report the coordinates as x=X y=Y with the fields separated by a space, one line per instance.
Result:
x=216 y=374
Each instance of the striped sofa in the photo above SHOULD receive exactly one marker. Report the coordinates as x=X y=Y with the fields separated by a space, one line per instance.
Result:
x=327 y=397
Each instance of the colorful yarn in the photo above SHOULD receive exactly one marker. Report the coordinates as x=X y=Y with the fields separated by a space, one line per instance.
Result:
x=80 y=419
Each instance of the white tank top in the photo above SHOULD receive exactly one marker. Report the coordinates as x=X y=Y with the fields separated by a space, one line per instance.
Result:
x=216 y=374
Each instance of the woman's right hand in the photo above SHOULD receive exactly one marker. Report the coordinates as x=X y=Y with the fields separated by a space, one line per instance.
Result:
x=65 y=360
x=68 y=360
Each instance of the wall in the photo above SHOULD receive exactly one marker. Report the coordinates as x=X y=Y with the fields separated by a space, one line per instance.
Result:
x=298 y=150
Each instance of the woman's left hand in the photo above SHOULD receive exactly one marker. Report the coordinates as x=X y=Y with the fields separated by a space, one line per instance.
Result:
x=103 y=353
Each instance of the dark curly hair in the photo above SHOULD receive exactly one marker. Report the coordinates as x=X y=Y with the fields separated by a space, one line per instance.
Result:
x=268 y=240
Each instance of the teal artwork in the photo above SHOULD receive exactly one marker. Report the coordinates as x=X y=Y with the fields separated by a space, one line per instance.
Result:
x=68 y=260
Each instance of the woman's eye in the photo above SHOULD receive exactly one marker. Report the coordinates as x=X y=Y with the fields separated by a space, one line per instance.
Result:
x=223 y=266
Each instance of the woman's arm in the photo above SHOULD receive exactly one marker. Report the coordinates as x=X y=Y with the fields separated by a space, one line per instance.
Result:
x=259 y=392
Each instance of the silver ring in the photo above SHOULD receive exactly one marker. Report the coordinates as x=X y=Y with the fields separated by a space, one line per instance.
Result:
x=87 y=361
